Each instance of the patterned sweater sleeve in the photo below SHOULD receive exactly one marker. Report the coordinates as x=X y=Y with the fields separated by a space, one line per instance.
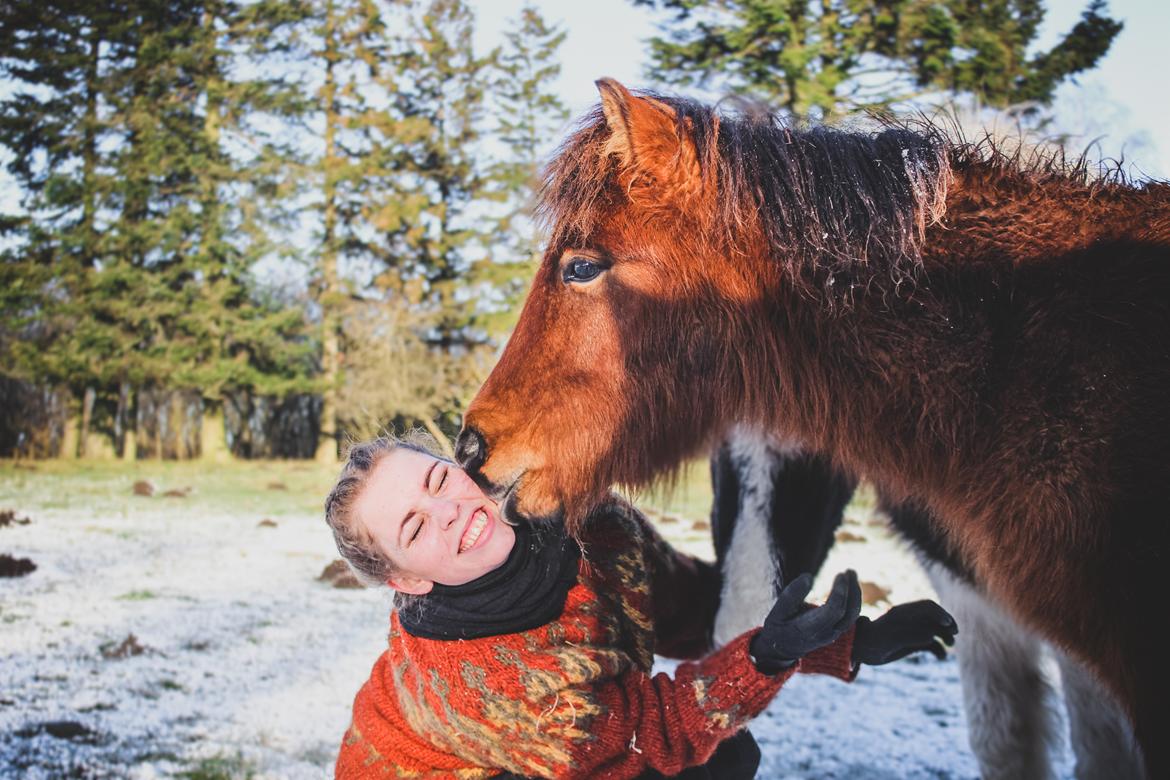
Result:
x=669 y=724
x=685 y=597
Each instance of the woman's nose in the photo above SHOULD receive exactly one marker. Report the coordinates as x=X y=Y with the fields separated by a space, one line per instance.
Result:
x=447 y=513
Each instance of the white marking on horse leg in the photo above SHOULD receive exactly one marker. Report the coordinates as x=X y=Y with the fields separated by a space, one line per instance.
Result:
x=1101 y=735
x=1011 y=719
x=751 y=568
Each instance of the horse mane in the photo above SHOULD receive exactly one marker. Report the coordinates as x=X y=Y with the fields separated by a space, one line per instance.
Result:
x=833 y=204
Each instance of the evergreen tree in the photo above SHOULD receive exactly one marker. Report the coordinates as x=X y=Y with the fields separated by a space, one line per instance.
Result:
x=822 y=58
x=528 y=113
x=444 y=83
x=246 y=340
x=142 y=296
x=51 y=124
x=49 y=121
x=436 y=84
x=158 y=143
x=117 y=124
x=418 y=158
x=349 y=32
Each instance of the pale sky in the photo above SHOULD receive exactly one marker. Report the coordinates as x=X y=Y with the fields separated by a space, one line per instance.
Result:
x=1124 y=101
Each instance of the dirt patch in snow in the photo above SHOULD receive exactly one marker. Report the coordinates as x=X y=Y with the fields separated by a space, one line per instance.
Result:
x=874 y=594
x=128 y=647
x=339 y=575
x=8 y=517
x=15 y=567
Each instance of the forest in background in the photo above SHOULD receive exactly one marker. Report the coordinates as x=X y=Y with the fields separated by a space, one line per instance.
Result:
x=261 y=228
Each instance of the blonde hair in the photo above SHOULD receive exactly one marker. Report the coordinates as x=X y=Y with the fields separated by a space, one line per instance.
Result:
x=355 y=544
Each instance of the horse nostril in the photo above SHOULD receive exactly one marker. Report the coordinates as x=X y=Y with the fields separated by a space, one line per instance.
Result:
x=470 y=449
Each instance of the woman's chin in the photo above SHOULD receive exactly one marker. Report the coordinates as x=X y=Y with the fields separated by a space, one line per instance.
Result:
x=495 y=549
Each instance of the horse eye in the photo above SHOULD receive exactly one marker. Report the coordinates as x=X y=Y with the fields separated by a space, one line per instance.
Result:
x=581 y=271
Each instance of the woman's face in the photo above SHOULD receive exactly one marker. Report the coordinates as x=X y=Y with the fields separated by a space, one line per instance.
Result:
x=434 y=523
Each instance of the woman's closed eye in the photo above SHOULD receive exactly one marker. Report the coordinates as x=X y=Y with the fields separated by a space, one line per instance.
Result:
x=417 y=529
x=439 y=480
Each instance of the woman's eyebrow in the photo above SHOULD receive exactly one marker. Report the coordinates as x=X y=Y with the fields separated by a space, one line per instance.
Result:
x=425 y=483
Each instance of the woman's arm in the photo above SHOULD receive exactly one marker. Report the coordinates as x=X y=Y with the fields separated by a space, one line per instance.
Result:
x=614 y=727
x=669 y=724
x=682 y=593
x=677 y=593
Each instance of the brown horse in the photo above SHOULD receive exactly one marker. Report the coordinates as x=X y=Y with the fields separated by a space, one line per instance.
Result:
x=986 y=336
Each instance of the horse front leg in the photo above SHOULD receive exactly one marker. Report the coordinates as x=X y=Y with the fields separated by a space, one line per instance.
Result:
x=774 y=514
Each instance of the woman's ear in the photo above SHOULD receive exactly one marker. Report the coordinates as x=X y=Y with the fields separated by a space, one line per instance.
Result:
x=415 y=586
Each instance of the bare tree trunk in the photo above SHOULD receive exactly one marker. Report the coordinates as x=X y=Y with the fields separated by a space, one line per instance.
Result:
x=87 y=402
x=330 y=289
x=121 y=417
x=130 y=444
x=163 y=428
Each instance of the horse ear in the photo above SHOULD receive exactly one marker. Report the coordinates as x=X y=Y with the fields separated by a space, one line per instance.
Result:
x=644 y=133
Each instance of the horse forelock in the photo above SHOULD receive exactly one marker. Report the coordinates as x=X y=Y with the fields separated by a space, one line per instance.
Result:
x=575 y=182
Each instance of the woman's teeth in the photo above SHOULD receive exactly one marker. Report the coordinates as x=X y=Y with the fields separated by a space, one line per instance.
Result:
x=478 y=523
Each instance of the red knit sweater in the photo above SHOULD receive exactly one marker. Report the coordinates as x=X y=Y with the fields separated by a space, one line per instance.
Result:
x=573 y=698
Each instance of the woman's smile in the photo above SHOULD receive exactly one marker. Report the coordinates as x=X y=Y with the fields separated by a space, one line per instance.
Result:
x=476 y=526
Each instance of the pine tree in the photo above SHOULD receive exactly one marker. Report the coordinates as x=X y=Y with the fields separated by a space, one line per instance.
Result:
x=158 y=160
x=147 y=296
x=51 y=125
x=528 y=112
x=136 y=234
x=436 y=86
x=349 y=32
x=421 y=148
x=240 y=332
x=836 y=55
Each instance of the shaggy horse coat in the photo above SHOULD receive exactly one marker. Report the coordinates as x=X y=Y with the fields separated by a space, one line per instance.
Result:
x=985 y=337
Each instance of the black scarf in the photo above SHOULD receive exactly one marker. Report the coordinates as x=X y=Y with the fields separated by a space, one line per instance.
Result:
x=527 y=591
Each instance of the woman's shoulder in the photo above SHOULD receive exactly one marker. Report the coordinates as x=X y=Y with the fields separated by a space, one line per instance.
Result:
x=615 y=521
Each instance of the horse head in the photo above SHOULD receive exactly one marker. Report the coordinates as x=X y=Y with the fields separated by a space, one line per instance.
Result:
x=617 y=366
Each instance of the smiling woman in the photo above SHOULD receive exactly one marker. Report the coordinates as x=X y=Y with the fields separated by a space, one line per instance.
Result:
x=520 y=651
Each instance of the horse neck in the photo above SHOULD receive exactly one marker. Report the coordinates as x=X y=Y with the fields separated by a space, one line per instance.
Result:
x=881 y=373
x=885 y=367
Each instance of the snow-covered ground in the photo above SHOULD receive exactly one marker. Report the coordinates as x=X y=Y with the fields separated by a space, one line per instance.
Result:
x=249 y=664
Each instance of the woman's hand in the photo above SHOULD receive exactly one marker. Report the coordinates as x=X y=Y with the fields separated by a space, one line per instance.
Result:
x=905 y=629
x=792 y=629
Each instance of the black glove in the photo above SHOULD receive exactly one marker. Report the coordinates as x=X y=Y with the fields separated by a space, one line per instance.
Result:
x=736 y=758
x=905 y=629
x=792 y=630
